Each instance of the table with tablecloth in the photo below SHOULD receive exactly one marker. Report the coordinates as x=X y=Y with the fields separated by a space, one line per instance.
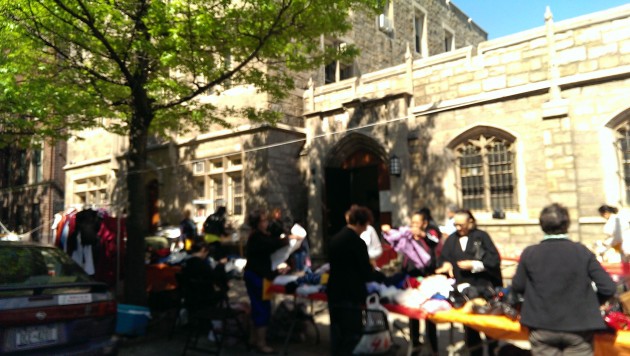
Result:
x=503 y=328
x=161 y=277
x=495 y=326
x=162 y=291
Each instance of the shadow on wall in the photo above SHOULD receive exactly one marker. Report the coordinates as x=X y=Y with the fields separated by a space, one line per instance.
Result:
x=273 y=177
x=429 y=169
x=179 y=185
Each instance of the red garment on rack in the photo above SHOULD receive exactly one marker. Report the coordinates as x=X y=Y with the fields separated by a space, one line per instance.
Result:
x=109 y=251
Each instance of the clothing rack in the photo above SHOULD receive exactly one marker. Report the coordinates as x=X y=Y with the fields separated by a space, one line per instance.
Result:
x=116 y=211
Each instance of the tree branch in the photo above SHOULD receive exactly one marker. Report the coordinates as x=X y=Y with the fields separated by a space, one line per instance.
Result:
x=228 y=74
x=100 y=37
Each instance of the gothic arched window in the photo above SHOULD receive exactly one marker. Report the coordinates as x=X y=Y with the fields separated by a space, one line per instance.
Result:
x=623 y=149
x=486 y=173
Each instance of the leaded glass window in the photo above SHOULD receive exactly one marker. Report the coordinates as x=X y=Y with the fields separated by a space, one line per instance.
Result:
x=623 y=145
x=486 y=173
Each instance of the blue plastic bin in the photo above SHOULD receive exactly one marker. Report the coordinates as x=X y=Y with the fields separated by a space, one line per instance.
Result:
x=132 y=320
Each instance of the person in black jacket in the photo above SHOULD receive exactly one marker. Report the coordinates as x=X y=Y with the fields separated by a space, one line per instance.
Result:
x=215 y=234
x=202 y=286
x=187 y=231
x=350 y=269
x=260 y=245
x=561 y=307
x=276 y=226
x=470 y=256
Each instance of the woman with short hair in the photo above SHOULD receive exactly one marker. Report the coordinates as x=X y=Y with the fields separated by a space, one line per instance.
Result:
x=350 y=269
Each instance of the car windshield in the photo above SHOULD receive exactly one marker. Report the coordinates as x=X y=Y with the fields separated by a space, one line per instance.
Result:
x=35 y=266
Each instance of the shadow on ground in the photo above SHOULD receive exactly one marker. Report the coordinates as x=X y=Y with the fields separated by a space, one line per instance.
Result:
x=162 y=338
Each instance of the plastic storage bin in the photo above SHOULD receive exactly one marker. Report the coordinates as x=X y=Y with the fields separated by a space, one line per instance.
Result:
x=132 y=320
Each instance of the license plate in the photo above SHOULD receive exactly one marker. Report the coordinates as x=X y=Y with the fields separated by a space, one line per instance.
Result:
x=33 y=336
x=68 y=299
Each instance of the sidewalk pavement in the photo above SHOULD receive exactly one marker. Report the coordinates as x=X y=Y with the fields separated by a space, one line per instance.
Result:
x=162 y=339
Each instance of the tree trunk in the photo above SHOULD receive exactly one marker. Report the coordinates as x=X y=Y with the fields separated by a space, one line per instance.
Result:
x=137 y=219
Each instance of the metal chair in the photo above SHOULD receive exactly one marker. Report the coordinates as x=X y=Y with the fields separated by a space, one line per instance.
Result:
x=298 y=315
x=202 y=319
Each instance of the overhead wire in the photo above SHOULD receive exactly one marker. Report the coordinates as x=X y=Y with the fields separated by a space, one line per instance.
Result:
x=273 y=145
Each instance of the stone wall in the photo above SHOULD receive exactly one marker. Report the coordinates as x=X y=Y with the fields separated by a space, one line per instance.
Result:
x=381 y=50
x=558 y=90
x=284 y=182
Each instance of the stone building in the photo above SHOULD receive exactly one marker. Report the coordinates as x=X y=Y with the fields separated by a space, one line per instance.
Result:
x=251 y=165
x=31 y=189
x=503 y=127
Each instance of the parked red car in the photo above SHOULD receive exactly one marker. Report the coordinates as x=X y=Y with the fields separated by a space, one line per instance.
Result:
x=50 y=306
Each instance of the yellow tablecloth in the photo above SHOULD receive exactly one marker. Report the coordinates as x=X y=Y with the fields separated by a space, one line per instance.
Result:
x=501 y=327
x=497 y=327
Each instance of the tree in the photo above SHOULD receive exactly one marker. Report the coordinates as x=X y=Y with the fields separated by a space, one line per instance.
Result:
x=66 y=64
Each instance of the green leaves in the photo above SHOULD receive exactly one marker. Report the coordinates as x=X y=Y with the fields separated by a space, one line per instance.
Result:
x=64 y=64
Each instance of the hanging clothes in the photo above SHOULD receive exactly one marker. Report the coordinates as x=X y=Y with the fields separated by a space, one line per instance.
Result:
x=54 y=226
x=109 y=252
x=88 y=224
x=82 y=238
x=82 y=255
x=60 y=227
x=66 y=231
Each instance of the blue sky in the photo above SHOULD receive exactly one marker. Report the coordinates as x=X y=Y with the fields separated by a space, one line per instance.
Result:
x=501 y=18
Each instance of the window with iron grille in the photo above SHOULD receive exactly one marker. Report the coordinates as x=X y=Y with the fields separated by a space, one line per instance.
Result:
x=623 y=148
x=486 y=173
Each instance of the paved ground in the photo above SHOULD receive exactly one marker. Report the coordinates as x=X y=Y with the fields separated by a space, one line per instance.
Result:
x=161 y=340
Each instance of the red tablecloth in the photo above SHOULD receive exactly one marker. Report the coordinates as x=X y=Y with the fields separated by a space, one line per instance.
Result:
x=617 y=269
x=161 y=277
x=410 y=312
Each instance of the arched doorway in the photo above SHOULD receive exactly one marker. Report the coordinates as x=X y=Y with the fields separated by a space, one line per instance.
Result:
x=356 y=173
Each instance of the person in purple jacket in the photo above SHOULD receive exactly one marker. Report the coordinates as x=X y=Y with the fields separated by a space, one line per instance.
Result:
x=556 y=276
x=420 y=245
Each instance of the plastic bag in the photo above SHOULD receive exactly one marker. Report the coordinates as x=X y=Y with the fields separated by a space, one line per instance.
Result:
x=283 y=253
x=376 y=337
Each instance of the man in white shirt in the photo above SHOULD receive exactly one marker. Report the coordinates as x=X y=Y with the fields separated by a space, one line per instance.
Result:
x=373 y=242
